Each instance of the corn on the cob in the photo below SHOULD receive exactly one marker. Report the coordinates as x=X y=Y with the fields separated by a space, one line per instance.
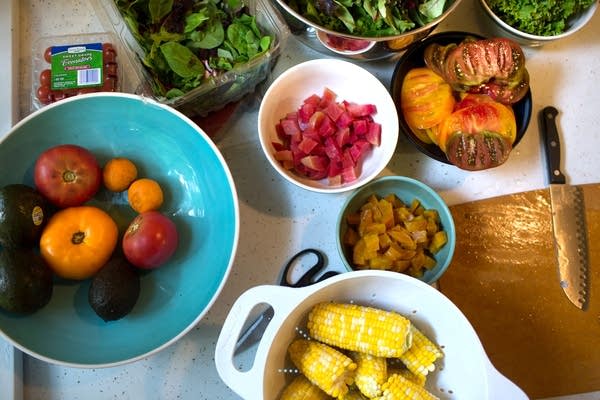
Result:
x=353 y=394
x=420 y=358
x=371 y=373
x=359 y=328
x=399 y=388
x=326 y=367
x=300 y=388
x=405 y=372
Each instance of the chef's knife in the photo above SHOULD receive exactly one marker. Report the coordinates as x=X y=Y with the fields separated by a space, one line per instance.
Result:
x=568 y=217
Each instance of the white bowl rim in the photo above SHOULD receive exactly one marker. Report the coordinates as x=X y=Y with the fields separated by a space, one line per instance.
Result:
x=332 y=63
x=584 y=19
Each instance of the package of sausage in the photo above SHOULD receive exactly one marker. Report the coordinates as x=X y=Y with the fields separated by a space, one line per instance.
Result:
x=71 y=65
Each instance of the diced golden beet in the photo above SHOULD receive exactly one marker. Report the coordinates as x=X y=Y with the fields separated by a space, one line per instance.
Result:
x=432 y=214
x=375 y=227
x=384 y=241
x=438 y=241
x=350 y=237
x=432 y=227
x=420 y=237
x=353 y=218
x=359 y=252
x=429 y=262
x=380 y=262
x=387 y=213
x=366 y=219
x=402 y=214
x=401 y=265
x=371 y=242
x=418 y=223
x=414 y=205
x=402 y=237
x=418 y=261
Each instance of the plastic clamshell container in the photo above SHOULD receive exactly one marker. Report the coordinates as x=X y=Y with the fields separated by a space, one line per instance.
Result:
x=39 y=63
x=218 y=91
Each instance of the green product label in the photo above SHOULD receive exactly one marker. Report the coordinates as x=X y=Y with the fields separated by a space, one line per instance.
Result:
x=76 y=66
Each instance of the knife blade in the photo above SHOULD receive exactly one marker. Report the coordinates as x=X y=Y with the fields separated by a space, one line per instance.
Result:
x=568 y=217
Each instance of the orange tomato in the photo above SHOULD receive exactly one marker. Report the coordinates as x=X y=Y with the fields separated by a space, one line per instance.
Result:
x=118 y=173
x=426 y=100
x=145 y=195
x=78 y=241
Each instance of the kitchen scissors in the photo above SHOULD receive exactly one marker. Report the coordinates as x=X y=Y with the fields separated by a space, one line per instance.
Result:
x=315 y=273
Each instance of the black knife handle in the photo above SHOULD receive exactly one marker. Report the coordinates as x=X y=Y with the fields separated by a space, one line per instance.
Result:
x=551 y=144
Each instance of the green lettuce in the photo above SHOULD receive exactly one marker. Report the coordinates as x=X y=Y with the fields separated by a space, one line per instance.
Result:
x=541 y=17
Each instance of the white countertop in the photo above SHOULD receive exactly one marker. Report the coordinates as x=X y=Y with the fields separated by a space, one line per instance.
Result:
x=278 y=219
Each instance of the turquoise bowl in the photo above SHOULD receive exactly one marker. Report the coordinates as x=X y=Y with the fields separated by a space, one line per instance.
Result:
x=407 y=189
x=200 y=197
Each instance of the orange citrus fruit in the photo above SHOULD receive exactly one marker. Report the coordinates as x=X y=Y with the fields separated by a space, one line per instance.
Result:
x=118 y=173
x=145 y=195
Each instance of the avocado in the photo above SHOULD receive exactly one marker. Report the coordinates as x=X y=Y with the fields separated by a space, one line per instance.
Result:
x=114 y=289
x=23 y=215
x=26 y=281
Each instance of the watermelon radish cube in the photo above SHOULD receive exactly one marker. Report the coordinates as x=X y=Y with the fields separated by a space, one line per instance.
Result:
x=342 y=137
x=349 y=174
x=290 y=127
x=358 y=150
x=373 y=134
x=313 y=99
x=307 y=145
x=333 y=111
x=361 y=110
x=316 y=163
x=305 y=112
x=284 y=155
x=344 y=120
x=327 y=127
x=359 y=126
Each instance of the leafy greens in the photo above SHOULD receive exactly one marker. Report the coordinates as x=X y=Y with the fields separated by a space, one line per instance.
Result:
x=188 y=41
x=538 y=17
x=369 y=18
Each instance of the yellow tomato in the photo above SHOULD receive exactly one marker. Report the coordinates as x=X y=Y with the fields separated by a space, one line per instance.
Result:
x=78 y=241
x=426 y=100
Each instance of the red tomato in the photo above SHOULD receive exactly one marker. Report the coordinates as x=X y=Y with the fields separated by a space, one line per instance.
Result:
x=67 y=175
x=150 y=240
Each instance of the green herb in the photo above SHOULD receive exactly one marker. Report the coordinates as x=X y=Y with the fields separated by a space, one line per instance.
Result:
x=543 y=18
x=370 y=18
x=187 y=42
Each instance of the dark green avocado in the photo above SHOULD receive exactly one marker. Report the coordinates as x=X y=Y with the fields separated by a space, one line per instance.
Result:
x=114 y=290
x=23 y=215
x=26 y=282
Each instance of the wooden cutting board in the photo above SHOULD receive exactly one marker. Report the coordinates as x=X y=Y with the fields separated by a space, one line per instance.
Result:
x=504 y=278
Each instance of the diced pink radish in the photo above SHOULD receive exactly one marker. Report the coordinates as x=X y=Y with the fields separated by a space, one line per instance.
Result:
x=344 y=120
x=361 y=110
x=284 y=155
x=359 y=126
x=317 y=163
x=373 y=134
x=307 y=145
x=327 y=139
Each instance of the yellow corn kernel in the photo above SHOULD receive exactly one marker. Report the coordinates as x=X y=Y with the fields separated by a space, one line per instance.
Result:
x=399 y=388
x=353 y=394
x=324 y=366
x=371 y=373
x=300 y=388
x=421 y=356
x=359 y=328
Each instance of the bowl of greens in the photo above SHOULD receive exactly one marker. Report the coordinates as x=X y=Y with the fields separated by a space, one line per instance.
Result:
x=197 y=56
x=538 y=22
x=383 y=28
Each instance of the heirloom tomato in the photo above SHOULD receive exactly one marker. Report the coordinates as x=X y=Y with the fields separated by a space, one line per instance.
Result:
x=67 y=175
x=150 y=240
x=426 y=100
x=479 y=134
x=78 y=241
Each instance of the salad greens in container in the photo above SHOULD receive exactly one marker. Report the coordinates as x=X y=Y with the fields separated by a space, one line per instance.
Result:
x=198 y=55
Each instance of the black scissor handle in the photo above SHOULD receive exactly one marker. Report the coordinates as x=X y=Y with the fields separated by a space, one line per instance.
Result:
x=307 y=277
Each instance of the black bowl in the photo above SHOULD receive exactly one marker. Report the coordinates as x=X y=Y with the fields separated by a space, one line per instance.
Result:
x=413 y=58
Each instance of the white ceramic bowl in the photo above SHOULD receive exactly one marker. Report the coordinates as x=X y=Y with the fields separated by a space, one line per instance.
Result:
x=501 y=28
x=464 y=373
x=351 y=83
